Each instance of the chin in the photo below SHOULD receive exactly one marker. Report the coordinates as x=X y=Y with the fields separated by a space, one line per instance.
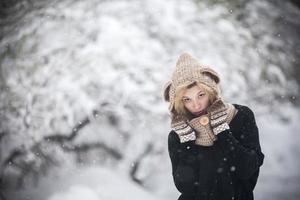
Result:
x=198 y=113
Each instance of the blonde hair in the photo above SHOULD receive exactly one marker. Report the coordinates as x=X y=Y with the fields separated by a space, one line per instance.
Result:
x=178 y=103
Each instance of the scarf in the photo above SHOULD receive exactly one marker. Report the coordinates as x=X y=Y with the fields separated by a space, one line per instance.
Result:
x=204 y=133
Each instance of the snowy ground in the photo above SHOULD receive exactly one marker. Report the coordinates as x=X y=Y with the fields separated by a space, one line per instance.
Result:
x=90 y=183
x=280 y=177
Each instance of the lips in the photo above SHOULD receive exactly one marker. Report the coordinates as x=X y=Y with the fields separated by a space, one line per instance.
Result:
x=200 y=112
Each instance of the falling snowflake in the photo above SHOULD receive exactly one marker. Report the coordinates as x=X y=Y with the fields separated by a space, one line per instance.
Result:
x=232 y=168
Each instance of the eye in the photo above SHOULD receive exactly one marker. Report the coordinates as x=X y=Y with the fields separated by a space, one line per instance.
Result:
x=185 y=100
x=201 y=94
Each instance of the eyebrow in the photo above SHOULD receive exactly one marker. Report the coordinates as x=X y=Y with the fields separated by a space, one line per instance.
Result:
x=189 y=97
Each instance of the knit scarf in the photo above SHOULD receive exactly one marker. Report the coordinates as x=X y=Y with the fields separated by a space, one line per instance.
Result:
x=205 y=135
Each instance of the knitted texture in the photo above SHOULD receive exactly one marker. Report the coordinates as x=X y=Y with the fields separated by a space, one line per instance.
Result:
x=221 y=128
x=205 y=135
x=184 y=131
x=187 y=71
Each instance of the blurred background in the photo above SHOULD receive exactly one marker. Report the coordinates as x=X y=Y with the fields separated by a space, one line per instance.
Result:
x=81 y=108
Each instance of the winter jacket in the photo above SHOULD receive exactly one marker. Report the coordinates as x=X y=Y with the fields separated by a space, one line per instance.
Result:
x=227 y=170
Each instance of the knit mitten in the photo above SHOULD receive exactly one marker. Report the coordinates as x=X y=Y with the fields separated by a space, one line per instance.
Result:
x=218 y=113
x=184 y=131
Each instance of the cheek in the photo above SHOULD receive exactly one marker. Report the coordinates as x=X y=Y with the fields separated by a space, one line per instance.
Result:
x=207 y=101
x=188 y=106
x=204 y=102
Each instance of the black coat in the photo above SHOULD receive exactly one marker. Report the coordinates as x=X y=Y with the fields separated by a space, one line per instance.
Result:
x=226 y=170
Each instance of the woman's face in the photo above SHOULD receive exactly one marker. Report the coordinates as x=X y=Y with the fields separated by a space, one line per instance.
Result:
x=195 y=100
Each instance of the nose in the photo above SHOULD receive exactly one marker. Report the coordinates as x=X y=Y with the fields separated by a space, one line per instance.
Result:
x=197 y=105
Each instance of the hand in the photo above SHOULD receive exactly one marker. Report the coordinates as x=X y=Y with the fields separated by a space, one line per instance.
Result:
x=218 y=114
x=184 y=131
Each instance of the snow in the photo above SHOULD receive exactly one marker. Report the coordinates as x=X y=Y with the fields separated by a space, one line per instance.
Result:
x=76 y=192
x=92 y=183
x=280 y=172
x=71 y=59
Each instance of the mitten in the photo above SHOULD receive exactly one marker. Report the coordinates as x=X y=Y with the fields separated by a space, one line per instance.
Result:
x=184 y=131
x=218 y=114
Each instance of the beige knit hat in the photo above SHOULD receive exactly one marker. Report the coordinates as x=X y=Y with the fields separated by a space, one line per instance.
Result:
x=189 y=70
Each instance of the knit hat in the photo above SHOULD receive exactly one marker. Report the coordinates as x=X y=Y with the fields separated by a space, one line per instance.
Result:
x=189 y=70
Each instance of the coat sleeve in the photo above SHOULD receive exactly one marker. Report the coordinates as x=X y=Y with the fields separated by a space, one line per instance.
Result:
x=183 y=170
x=245 y=154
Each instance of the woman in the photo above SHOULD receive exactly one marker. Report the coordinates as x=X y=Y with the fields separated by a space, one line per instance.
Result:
x=213 y=145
